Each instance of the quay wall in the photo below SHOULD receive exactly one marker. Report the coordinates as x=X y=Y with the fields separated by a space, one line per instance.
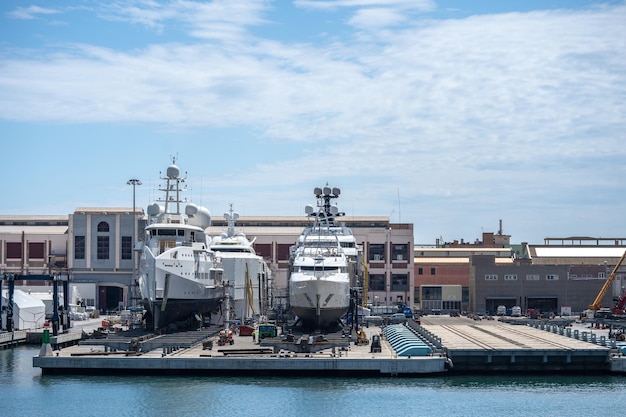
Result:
x=249 y=366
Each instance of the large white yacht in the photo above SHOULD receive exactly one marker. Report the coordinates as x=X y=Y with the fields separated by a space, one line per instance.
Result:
x=324 y=265
x=180 y=277
x=247 y=274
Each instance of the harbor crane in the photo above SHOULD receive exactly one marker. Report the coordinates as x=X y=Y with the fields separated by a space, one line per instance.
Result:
x=597 y=303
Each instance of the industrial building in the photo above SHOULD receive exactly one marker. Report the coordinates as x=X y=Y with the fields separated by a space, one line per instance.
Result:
x=94 y=247
x=560 y=276
x=387 y=250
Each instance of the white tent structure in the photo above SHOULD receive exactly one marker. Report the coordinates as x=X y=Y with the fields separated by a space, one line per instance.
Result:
x=28 y=311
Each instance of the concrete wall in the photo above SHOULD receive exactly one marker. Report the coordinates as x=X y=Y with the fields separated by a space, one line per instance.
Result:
x=575 y=293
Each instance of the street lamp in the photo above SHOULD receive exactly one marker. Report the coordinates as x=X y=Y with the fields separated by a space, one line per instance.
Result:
x=134 y=182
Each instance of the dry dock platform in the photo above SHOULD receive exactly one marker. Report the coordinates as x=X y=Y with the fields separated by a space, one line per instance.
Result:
x=243 y=357
x=491 y=345
x=450 y=345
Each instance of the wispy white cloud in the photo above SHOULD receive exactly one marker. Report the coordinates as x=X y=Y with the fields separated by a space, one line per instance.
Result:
x=217 y=19
x=376 y=18
x=334 y=4
x=371 y=14
x=30 y=12
x=488 y=114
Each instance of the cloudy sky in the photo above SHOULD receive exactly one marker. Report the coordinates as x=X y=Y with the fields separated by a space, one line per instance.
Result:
x=451 y=115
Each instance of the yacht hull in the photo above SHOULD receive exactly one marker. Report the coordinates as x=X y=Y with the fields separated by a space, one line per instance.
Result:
x=178 y=287
x=175 y=310
x=248 y=297
x=319 y=303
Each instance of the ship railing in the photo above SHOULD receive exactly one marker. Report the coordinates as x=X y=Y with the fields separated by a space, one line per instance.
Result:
x=323 y=251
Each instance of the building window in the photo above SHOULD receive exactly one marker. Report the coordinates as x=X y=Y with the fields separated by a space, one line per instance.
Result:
x=103 y=227
x=552 y=277
x=399 y=282
x=510 y=277
x=532 y=277
x=491 y=277
x=377 y=251
x=431 y=293
x=79 y=247
x=127 y=247
x=432 y=271
x=264 y=250
x=451 y=305
x=377 y=282
x=103 y=247
x=420 y=271
x=282 y=252
x=14 y=250
x=399 y=252
x=35 y=250
x=601 y=275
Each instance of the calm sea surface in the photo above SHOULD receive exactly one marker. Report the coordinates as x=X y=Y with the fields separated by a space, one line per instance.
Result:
x=25 y=392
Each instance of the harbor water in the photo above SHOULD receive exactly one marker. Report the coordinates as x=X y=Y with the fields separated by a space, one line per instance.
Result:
x=25 y=392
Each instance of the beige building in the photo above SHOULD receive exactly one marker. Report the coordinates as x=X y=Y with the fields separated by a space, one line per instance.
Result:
x=387 y=250
x=33 y=245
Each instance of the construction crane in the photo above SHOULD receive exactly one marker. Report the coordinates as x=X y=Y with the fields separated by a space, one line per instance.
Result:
x=597 y=303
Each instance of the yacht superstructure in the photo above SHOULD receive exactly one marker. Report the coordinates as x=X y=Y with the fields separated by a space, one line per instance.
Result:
x=180 y=277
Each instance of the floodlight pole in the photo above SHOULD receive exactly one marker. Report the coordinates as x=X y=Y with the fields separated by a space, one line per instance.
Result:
x=134 y=182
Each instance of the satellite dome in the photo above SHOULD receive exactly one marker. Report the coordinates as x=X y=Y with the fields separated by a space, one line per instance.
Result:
x=198 y=215
x=173 y=172
x=155 y=209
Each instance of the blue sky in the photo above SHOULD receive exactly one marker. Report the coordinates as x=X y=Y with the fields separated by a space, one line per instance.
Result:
x=451 y=115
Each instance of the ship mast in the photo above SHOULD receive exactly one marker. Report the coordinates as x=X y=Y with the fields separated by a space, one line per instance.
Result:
x=172 y=189
x=326 y=211
x=231 y=216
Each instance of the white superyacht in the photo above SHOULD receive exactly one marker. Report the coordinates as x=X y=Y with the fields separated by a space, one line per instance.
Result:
x=324 y=266
x=180 y=277
x=247 y=273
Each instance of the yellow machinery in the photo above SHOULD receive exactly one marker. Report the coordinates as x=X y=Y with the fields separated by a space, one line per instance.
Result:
x=366 y=282
x=361 y=338
x=597 y=303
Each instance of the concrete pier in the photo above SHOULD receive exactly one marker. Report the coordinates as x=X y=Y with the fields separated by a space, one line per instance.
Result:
x=458 y=345
x=243 y=357
x=489 y=345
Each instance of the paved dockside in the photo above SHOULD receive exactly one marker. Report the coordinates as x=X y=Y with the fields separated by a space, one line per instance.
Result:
x=242 y=357
x=490 y=345
x=459 y=344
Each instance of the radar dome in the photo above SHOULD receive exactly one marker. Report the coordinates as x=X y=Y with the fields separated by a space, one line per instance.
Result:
x=198 y=215
x=308 y=209
x=155 y=209
x=173 y=172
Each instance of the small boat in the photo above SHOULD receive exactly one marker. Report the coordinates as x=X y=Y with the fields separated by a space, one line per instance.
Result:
x=324 y=266
x=180 y=277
